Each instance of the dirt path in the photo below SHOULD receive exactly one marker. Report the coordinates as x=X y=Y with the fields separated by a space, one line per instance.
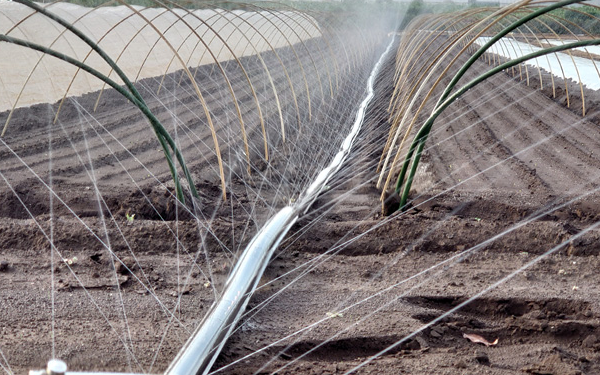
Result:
x=546 y=318
x=374 y=290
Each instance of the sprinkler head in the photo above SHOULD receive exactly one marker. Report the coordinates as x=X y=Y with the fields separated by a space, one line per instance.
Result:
x=56 y=367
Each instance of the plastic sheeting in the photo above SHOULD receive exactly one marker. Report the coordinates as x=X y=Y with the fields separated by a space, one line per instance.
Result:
x=133 y=40
x=590 y=49
x=576 y=68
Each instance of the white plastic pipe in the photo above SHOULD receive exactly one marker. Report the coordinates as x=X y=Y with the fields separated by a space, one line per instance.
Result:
x=203 y=347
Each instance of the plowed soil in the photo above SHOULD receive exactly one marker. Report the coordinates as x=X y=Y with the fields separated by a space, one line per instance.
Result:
x=355 y=299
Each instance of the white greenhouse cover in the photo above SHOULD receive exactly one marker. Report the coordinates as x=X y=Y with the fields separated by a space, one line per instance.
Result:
x=133 y=40
x=578 y=69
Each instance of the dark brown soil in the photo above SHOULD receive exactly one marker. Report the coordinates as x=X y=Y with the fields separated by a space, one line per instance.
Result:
x=354 y=299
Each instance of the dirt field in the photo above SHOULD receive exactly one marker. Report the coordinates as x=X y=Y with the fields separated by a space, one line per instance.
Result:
x=368 y=294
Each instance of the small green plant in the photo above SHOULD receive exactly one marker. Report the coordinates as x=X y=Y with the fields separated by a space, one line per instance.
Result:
x=130 y=217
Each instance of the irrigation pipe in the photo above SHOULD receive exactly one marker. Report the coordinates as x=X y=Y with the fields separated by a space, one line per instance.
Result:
x=202 y=349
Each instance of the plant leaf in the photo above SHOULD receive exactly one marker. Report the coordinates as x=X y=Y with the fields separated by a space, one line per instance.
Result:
x=479 y=339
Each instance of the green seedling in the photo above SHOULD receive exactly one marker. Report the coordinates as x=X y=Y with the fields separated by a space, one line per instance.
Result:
x=130 y=217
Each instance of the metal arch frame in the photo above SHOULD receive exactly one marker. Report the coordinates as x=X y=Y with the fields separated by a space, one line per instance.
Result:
x=203 y=347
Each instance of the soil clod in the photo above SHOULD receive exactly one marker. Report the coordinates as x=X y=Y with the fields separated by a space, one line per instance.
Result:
x=482 y=358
